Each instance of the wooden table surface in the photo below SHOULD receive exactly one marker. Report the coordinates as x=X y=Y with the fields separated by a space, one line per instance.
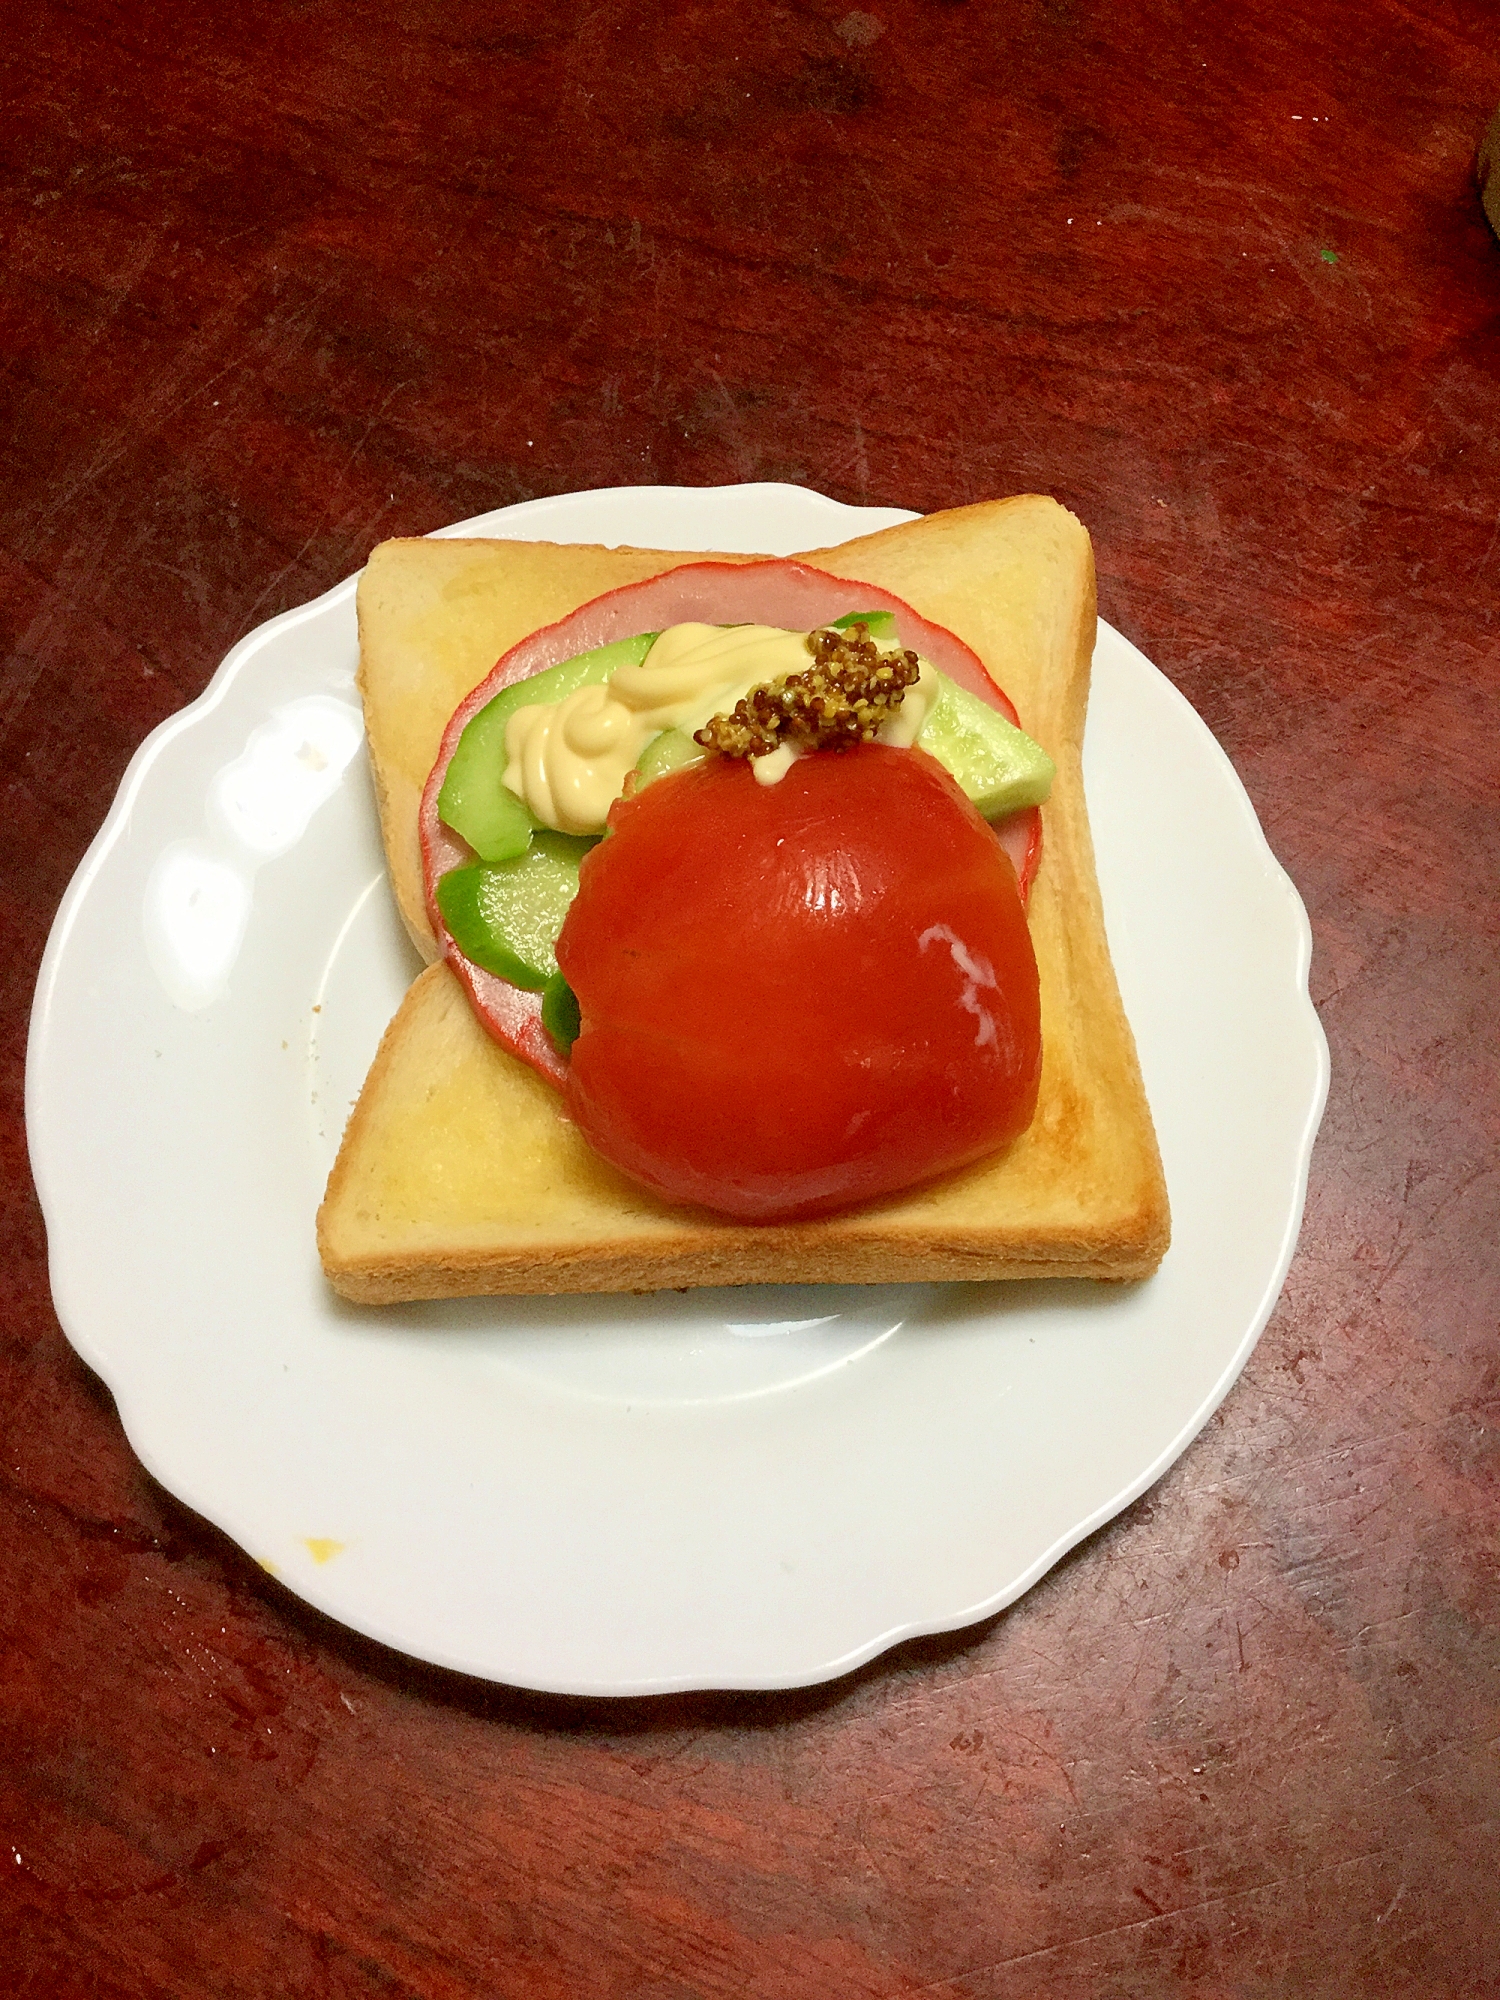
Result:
x=288 y=278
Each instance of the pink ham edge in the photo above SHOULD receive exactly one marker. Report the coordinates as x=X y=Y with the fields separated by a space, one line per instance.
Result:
x=788 y=594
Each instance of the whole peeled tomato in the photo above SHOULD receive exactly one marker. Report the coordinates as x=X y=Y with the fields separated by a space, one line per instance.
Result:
x=800 y=995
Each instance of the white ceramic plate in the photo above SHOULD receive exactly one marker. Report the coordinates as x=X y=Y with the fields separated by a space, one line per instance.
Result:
x=755 y=1488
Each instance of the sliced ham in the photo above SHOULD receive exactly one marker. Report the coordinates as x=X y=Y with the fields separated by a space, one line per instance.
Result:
x=787 y=594
x=1021 y=837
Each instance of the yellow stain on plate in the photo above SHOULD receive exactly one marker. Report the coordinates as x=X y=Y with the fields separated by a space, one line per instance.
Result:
x=268 y=1566
x=320 y=1549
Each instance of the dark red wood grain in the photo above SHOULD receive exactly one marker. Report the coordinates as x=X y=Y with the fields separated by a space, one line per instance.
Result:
x=286 y=278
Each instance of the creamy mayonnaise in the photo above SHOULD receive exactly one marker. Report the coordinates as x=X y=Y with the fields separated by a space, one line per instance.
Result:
x=569 y=759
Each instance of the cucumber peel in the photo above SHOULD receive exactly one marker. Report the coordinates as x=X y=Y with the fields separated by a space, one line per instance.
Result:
x=879 y=625
x=560 y=1015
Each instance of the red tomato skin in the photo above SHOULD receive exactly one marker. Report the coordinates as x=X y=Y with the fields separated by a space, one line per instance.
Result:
x=800 y=996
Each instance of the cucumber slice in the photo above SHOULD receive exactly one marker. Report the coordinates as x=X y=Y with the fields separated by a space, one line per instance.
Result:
x=673 y=750
x=506 y=916
x=560 y=1015
x=475 y=801
x=999 y=766
x=879 y=625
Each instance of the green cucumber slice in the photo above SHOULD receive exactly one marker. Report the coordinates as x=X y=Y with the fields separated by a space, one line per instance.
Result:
x=506 y=916
x=879 y=625
x=475 y=801
x=673 y=750
x=999 y=766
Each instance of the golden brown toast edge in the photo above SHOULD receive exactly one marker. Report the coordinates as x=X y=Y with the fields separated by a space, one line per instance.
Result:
x=1080 y=1195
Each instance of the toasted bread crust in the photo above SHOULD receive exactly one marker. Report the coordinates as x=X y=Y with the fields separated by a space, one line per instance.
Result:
x=460 y=1172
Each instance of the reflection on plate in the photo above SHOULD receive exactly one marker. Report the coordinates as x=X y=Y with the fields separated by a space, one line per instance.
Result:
x=754 y=1488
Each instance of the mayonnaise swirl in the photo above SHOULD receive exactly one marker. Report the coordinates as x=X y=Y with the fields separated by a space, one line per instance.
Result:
x=569 y=759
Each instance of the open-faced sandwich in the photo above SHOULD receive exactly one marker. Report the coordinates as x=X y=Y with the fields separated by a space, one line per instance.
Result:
x=765 y=934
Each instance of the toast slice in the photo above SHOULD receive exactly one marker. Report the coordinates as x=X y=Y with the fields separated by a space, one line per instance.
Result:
x=460 y=1172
